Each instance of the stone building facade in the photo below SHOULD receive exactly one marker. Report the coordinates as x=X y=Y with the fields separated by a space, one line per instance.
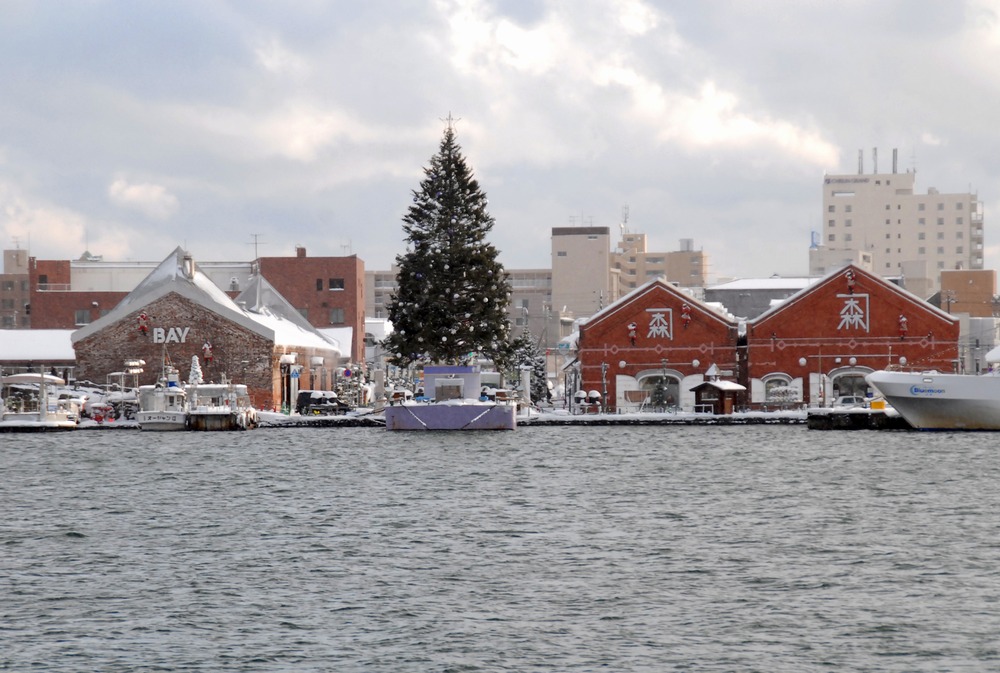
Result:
x=178 y=328
x=177 y=313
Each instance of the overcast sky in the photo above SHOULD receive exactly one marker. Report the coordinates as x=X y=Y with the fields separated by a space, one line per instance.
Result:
x=130 y=127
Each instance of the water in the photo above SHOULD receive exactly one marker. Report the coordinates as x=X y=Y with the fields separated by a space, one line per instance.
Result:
x=546 y=549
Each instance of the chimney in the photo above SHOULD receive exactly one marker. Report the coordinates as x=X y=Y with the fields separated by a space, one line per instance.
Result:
x=861 y=162
x=188 y=266
x=895 y=153
x=300 y=251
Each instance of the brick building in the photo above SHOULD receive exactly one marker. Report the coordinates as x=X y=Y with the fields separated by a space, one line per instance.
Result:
x=820 y=343
x=655 y=336
x=177 y=313
x=14 y=294
x=327 y=291
x=816 y=346
x=68 y=294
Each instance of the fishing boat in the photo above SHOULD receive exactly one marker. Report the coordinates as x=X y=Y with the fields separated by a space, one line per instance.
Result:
x=457 y=403
x=220 y=406
x=932 y=400
x=163 y=406
x=28 y=404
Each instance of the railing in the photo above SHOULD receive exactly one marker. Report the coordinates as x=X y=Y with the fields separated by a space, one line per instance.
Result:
x=54 y=287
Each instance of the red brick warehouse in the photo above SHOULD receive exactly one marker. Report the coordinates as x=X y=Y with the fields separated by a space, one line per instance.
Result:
x=654 y=335
x=821 y=342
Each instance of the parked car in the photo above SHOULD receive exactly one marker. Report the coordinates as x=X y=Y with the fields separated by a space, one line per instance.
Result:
x=320 y=403
x=848 y=401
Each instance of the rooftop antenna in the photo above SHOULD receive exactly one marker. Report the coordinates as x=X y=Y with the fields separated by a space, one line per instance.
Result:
x=346 y=248
x=624 y=224
x=256 y=241
x=450 y=121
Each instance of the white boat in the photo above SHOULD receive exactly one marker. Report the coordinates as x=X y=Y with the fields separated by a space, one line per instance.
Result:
x=934 y=401
x=28 y=404
x=220 y=406
x=458 y=405
x=163 y=407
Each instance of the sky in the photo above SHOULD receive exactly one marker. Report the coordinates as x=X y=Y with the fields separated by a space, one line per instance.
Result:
x=247 y=128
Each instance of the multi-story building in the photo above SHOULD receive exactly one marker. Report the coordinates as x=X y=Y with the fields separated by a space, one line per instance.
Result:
x=583 y=281
x=327 y=291
x=914 y=236
x=14 y=293
x=686 y=267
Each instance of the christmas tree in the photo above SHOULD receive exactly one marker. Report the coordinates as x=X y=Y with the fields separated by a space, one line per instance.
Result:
x=528 y=353
x=195 y=377
x=452 y=295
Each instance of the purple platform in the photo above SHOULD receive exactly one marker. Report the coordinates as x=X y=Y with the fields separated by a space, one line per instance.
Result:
x=451 y=417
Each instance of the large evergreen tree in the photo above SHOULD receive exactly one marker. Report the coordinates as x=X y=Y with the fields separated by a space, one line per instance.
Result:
x=452 y=294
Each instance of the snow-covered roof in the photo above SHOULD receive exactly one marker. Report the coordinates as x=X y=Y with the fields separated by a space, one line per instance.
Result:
x=722 y=385
x=260 y=297
x=178 y=274
x=290 y=334
x=772 y=283
x=261 y=308
x=891 y=287
x=715 y=309
x=341 y=337
x=38 y=345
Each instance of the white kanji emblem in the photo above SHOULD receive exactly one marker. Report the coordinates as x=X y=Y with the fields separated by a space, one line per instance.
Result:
x=660 y=323
x=854 y=314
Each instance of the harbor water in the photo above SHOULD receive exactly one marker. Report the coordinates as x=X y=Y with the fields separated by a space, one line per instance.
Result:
x=755 y=548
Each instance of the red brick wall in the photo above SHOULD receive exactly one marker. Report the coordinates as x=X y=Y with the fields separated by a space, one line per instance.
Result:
x=830 y=322
x=706 y=337
x=296 y=279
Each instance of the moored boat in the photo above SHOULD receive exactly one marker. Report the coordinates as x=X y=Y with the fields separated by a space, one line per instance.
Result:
x=220 y=406
x=932 y=400
x=29 y=406
x=163 y=407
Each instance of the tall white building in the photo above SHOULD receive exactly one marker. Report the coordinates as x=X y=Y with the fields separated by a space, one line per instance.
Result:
x=907 y=235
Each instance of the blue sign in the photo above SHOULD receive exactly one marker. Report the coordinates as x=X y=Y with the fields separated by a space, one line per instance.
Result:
x=295 y=374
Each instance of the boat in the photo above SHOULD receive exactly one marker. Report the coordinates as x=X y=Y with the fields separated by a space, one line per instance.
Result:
x=458 y=403
x=163 y=406
x=28 y=405
x=932 y=400
x=220 y=406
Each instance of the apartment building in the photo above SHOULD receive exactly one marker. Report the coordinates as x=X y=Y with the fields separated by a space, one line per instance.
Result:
x=15 y=296
x=914 y=236
x=583 y=281
x=685 y=267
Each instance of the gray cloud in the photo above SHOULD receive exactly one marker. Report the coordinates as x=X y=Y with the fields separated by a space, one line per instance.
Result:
x=310 y=122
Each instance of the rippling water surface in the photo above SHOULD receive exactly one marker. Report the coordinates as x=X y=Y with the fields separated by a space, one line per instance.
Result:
x=546 y=549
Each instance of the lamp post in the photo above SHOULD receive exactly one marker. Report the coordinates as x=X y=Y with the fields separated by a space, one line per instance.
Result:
x=604 y=387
